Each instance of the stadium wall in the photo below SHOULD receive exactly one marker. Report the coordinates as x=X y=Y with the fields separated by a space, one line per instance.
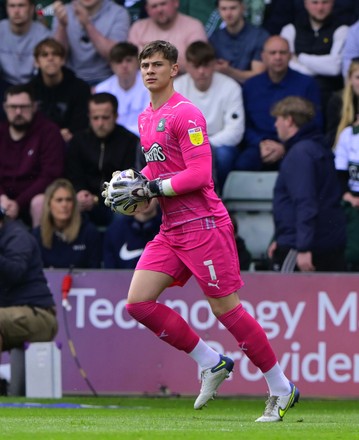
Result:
x=310 y=319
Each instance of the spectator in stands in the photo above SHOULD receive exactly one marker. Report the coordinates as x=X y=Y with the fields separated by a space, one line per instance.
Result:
x=220 y=100
x=164 y=22
x=64 y=237
x=27 y=307
x=316 y=43
x=340 y=116
x=206 y=12
x=239 y=45
x=127 y=236
x=19 y=34
x=88 y=29
x=262 y=148
x=136 y=8
x=279 y=13
x=32 y=155
x=347 y=163
x=126 y=84
x=95 y=152
x=309 y=221
x=254 y=11
x=59 y=94
x=351 y=47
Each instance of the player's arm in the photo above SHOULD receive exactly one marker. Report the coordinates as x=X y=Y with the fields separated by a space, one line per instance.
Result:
x=132 y=191
x=197 y=173
x=196 y=152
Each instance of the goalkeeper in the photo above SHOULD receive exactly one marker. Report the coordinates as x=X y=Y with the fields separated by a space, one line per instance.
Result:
x=196 y=237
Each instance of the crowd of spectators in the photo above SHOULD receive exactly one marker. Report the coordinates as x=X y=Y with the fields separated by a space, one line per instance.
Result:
x=72 y=91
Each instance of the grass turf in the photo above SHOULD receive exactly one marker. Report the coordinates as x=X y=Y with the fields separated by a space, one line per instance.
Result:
x=174 y=418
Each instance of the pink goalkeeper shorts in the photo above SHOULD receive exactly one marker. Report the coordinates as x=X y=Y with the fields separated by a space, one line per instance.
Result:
x=210 y=255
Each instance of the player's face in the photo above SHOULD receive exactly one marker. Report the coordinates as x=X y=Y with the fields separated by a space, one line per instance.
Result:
x=61 y=206
x=162 y=12
x=19 y=110
x=319 y=9
x=49 y=61
x=126 y=69
x=157 y=72
x=281 y=125
x=231 y=11
x=102 y=119
x=354 y=81
x=20 y=12
x=202 y=75
x=276 y=55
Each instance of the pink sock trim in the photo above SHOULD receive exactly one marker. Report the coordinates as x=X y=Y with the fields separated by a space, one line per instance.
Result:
x=167 y=324
x=250 y=336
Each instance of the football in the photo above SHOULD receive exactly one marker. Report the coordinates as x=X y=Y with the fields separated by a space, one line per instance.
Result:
x=125 y=207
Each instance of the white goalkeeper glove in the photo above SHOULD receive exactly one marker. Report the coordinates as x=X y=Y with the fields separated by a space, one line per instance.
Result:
x=131 y=191
x=105 y=193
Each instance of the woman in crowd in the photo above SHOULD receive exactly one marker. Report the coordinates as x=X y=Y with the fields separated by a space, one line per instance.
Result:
x=347 y=162
x=65 y=238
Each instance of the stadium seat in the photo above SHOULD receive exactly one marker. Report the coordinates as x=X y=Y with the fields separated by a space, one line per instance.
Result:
x=248 y=195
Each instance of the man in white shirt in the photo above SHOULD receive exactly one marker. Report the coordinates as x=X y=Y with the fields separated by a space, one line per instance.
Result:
x=219 y=97
x=126 y=84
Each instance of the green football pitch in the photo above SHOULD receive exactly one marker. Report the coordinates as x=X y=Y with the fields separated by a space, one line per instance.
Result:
x=172 y=418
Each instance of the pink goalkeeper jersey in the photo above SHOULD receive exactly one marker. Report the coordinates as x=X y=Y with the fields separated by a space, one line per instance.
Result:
x=174 y=140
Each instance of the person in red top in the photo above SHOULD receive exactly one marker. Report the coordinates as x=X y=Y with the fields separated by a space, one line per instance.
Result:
x=196 y=237
x=32 y=155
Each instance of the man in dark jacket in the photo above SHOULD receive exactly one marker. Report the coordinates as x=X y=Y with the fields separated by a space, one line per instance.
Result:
x=27 y=308
x=309 y=221
x=59 y=94
x=94 y=153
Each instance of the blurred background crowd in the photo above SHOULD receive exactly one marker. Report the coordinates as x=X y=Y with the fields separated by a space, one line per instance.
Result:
x=72 y=91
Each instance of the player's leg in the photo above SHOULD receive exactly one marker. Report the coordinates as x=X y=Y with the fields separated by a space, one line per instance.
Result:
x=219 y=277
x=254 y=343
x=168 y=325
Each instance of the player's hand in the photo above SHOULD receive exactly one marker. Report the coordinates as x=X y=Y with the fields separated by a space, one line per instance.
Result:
x=130 y=191
x=105 y=188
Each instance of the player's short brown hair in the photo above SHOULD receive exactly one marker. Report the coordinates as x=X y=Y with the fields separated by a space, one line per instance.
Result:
x=168 y=50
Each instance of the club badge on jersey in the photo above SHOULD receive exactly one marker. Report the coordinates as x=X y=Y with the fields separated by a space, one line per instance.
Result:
x=196 y=136
x=161 y=125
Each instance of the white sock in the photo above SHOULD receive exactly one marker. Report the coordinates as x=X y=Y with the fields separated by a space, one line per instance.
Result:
x=204 y=355
x=278 y=383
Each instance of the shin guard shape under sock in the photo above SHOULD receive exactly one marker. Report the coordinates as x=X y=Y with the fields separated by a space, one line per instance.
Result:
x=167 y=324
x=250 y=336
